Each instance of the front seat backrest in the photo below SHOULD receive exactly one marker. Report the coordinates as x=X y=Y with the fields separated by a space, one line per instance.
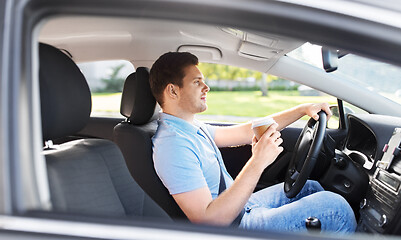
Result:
x=86 y=176
x=133 y=136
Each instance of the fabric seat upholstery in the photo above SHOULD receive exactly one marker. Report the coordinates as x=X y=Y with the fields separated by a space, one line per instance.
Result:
x=133 y=136
x=86 y=176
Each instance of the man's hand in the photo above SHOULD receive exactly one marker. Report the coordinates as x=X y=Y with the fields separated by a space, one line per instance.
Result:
x=198 y=204
x=312 y=109
x=266 y=150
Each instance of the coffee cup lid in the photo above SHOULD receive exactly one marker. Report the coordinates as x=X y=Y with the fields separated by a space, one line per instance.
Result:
x=262 y=121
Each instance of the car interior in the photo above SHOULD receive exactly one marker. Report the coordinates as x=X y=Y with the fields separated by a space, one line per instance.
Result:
x=133 y=136
x=102 y=166
x=86 y=176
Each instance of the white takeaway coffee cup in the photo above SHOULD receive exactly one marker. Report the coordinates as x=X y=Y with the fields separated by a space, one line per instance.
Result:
x=259 y=126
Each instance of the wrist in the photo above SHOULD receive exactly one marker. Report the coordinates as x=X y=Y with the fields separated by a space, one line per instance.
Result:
x=256 y=165
x=303 y=109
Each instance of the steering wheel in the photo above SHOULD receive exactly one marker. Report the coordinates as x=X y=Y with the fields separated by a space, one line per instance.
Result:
x=305 y=155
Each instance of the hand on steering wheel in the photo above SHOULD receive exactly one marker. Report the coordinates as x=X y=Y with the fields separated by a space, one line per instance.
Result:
x=305 y=155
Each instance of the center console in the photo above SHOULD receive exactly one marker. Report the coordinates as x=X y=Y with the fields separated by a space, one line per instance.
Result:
x=380 y=209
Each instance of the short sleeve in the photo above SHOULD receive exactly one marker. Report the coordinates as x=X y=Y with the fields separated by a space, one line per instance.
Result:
x=211 y=129
x=178 y=166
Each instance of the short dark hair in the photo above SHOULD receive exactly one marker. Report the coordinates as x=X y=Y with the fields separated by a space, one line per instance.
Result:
x=169 y=68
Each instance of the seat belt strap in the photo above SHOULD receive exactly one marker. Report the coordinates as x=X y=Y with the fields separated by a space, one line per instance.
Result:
x=222 y=184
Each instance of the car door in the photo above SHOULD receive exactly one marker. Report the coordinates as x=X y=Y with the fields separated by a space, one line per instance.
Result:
x=23 y=192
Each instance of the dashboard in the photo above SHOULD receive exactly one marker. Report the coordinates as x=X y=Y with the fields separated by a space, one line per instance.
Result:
x=361 y=144
x=373 y=143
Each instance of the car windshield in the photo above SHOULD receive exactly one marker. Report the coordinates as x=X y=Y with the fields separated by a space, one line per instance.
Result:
x=375 y=76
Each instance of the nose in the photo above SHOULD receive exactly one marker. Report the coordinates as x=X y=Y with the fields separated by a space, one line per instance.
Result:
x=206 y=88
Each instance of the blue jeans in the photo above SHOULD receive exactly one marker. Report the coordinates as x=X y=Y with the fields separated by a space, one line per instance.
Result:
x=270 y=209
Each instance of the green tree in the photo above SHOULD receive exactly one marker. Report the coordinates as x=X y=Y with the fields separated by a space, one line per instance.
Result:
x=217 y=72
x=114 y=83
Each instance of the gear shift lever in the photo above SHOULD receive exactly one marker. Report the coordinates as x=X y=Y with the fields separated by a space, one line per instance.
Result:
x=313 y=224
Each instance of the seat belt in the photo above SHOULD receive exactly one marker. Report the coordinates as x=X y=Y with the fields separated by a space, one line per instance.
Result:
x=222 y=184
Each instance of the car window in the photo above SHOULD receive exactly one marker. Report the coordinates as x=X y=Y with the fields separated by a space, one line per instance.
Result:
x=375 y=76
x=378 y=77
x=349 y=108
x=106 y=81
x=239 y=95
x=236 y=94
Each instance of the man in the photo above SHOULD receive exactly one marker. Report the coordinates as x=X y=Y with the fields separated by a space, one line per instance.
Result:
x=188 y=162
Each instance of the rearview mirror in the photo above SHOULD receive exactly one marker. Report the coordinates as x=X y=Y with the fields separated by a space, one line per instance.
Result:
x=330 y=59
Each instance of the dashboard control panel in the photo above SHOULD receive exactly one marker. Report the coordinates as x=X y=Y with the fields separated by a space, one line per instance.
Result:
x=383 y=200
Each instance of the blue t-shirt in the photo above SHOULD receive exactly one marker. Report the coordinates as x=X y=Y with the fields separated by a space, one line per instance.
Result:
x=184 y=158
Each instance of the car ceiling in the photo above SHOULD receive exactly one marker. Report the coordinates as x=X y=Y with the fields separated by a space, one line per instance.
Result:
x=142 y=41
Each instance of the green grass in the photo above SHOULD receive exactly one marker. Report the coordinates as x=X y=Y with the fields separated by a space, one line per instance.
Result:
x=245 y=104
x=106 y=102
x=253 y=104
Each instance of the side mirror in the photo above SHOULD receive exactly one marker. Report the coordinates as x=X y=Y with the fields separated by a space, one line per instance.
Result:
x=334 y=111
x=334 y=121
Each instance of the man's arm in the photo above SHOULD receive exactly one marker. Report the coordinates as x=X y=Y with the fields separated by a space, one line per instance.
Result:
x=198 y=205
x=242 y=133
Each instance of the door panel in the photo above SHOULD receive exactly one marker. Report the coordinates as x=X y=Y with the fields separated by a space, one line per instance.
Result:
x=21 y=235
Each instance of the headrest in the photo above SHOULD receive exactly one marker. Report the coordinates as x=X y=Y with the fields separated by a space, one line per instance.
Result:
x=64 y=94
x=137 y=101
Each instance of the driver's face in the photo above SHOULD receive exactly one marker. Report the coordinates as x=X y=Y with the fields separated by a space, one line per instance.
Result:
x=194 y=91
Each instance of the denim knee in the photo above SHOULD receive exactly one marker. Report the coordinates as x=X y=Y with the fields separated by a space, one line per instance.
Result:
x=336 y=200
x=337 y=205
x=313 y=186
x=310 y=187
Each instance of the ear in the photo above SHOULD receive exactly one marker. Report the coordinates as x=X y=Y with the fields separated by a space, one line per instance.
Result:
x=171 y=91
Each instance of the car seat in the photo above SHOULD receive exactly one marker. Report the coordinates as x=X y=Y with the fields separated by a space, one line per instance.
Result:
x=133 y=136
x=86 y=176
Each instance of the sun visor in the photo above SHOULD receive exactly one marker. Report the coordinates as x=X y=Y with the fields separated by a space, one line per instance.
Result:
x=204 y=53
x=256 y=51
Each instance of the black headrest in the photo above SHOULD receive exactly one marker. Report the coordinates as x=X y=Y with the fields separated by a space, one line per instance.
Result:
x=64 y=94
x=137 y=101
